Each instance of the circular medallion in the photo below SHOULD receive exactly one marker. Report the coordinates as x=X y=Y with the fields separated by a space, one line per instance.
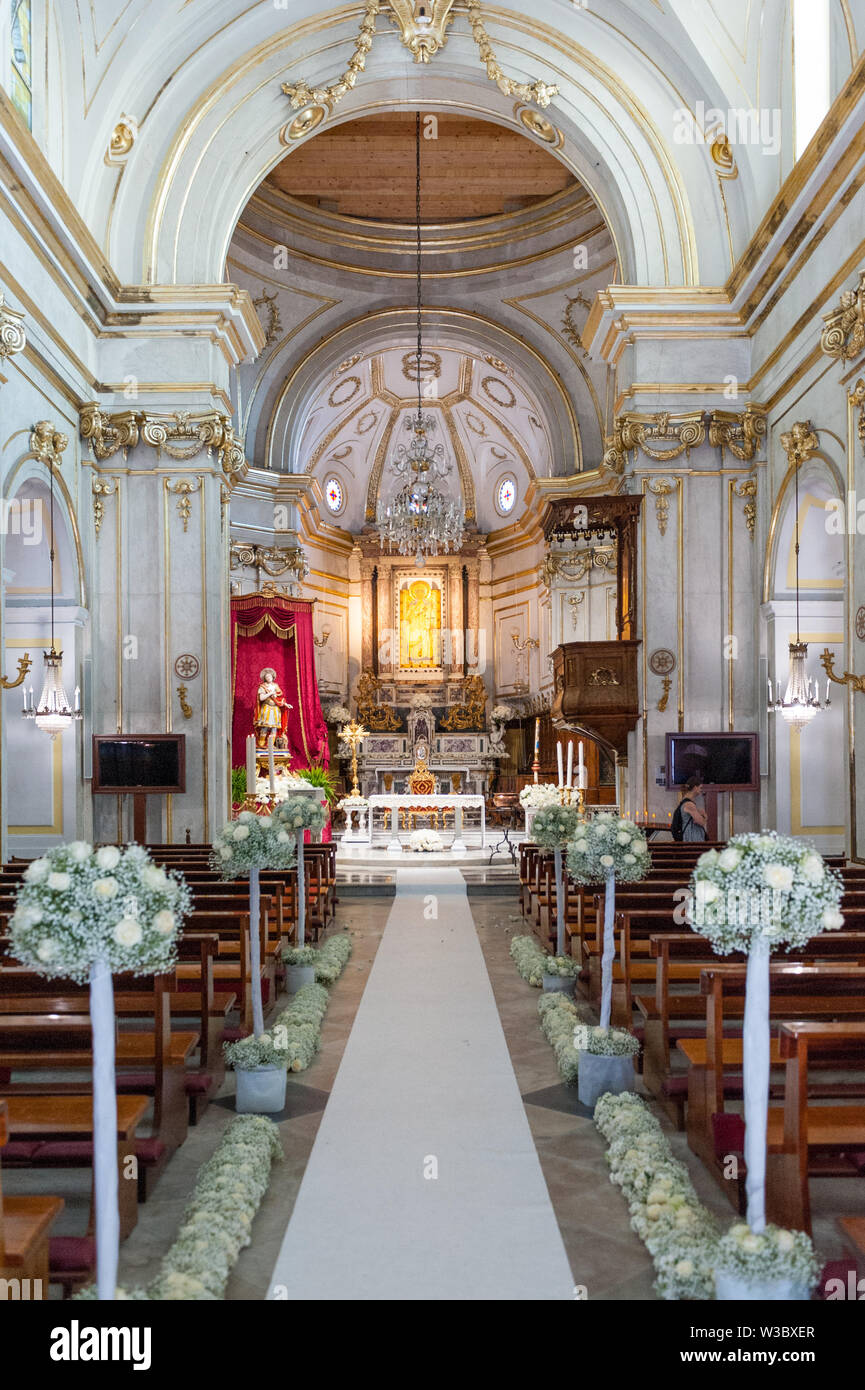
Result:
x=499 y=392
x=860 y=623
x=506 y=495
x=662 y=662
x=187 y=666
x=334 y=495
x=305 y=122
x=430 y=366
x=538 y=125
x=344 y=391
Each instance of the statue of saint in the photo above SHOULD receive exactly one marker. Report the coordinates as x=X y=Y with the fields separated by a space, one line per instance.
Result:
x=271 y=711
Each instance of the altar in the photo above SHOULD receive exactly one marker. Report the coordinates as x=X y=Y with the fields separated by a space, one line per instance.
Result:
x=394 y=804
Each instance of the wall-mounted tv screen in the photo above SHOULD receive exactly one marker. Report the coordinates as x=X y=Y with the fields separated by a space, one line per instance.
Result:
x=723 y=762
x=139 y=763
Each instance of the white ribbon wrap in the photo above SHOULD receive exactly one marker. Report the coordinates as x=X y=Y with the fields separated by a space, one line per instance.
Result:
x=255 y=952
x=560 y=903
x=608 y=952
x=105 y=1180
x=301 y=890
x=755 y=1068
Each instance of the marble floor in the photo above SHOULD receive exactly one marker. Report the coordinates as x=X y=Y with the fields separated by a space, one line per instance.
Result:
x=605 y=1255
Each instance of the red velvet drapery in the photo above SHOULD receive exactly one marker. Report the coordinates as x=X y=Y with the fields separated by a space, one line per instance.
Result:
x=272 y=630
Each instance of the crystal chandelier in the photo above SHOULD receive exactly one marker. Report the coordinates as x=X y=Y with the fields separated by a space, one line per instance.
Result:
x=801 y=700
x=53 y=714
x=420 y=520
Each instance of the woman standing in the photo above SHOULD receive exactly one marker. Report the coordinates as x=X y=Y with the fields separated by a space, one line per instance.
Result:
x=690 y=818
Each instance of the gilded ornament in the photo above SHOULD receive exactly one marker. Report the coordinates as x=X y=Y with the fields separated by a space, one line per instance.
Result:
x=371 y=710
x=430 y=365
x=570 y=329
x=844 y=334
x=741 y=433
x=667 y=686
x=423 y=37
x=470 y=712
x=274 y=323
x=799 y=443
x=24 y=663
x=101 y=488
x=661 y=489
x=504 y=401
x=123 y=137
x=748 y=490
x=47 y=443
x=541 y=93
x=722 y=155
x=184 y=703
x=301 y=94
x=538 y=125
x=182 y=489
x=12 y=336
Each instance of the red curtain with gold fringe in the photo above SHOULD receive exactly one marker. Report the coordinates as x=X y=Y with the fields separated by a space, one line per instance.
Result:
x=273 y=630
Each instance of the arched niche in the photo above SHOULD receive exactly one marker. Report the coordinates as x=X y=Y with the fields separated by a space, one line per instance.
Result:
x=809 y=778
x=43 y=799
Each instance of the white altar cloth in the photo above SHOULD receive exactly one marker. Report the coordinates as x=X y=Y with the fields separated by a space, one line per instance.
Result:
x=454 y=802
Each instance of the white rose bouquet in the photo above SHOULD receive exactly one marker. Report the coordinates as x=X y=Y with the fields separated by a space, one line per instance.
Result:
x=425 y=841
x=760 y=892
x=337 y=714
x=84 y=913
x=765 y=886
x=607 y=849
x=538 y=794
x=79 y=904
x=774 y=1254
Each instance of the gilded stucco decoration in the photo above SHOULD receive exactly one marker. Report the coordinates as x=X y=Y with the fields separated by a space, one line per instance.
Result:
x=101 y=488
x=664 y=437
x=799 y=443
x=424 y=37
x=741 y=434
x=12 y=336
x=47 y=443
x=182 y=436
x=274 y=560
x=268 y=303
x=747 y=489
x=844 y=334
x=569 y=328
x=661 y=489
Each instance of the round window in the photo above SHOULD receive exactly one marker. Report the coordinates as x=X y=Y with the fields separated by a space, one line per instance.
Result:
x=334 y=494
x=506 y=494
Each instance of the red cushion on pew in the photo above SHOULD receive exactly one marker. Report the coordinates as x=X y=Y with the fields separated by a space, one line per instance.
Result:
x=66 y=1253
x=197 y=1083
x=837 y=1269
x=5 y=1076
x=19 y=1150
x=675 y=1086
x=149 y=1150
x=729 y=1134
x=133 y=1083
x=232 y=1034
x=71 y=1151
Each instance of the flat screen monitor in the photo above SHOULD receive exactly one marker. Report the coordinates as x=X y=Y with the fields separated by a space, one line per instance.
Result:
x=723 y=762
x=140 y=763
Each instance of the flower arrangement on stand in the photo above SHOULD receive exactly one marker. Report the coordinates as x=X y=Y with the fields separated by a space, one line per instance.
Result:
x=553 y=826
x=760 y=893
x=605 y=849
x=242 y=849
x=425 y=841
x=84 y=914
x=297 y=815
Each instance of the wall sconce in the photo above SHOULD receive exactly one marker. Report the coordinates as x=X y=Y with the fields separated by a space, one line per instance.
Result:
x=855 y=682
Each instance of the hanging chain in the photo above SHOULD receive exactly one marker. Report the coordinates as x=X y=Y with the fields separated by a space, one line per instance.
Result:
x=419 y=253
x=797 y=548
x=51 y=552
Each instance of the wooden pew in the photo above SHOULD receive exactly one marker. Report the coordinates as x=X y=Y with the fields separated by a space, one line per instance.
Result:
x=25 y=1227
x=802 y=1133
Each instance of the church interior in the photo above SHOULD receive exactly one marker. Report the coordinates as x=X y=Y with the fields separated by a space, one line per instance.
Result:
x=433 y=630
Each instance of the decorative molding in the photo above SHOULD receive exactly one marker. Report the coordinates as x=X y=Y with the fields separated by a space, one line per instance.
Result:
x=748 y=489
x=662 y=703
x=275 y=560
x=723 y=157
x=101 y=489
x=274 y=322
x=184 y=703
x=12 y=335
x=575 y=600
x=301 y=94
x=844 y=334
x=740 y=433
x=182 y=436
x=182 y=489
x=423 y=39
x=47 y=443
x=541 y=93
x=799 y=443
x=661 y=489
x=575 y=567
x=123 y=137
x=569 y=328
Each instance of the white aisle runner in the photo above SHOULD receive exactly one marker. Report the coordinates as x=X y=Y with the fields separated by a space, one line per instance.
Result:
x=425 y=1083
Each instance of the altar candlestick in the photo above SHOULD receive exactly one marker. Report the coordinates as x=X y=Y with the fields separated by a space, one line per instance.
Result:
x=537 y=736
x=250 y=765
x=770 y=692
x=24 y=688
x=570 y=781
x=582 y=777
x=270 y=768
x=778 y=692
x=77 y=701
x=559 y=761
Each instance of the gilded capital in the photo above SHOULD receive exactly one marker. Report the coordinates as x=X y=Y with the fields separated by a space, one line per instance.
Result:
x=844 y=334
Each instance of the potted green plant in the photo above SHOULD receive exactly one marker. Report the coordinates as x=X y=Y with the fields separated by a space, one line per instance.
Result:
x=300 y=964
x=260 y=1064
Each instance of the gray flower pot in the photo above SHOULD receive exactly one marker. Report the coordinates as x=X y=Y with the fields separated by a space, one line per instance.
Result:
x=260 y=1090
x=297 y=975
x=599 y=1076
x=559 y=984
x=732 y=1288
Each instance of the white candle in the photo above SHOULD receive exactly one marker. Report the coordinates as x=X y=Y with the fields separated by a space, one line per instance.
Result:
x=250 y=765
x=570 y=782
x=77 y=704
x=559 y=761
x=580 y=755
x=582 y=777
x=24 y=688
x=770 y=692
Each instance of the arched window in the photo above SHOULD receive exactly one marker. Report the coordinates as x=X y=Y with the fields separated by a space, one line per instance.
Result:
x=21 y=75
x=334 y=494
x=506 y=494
